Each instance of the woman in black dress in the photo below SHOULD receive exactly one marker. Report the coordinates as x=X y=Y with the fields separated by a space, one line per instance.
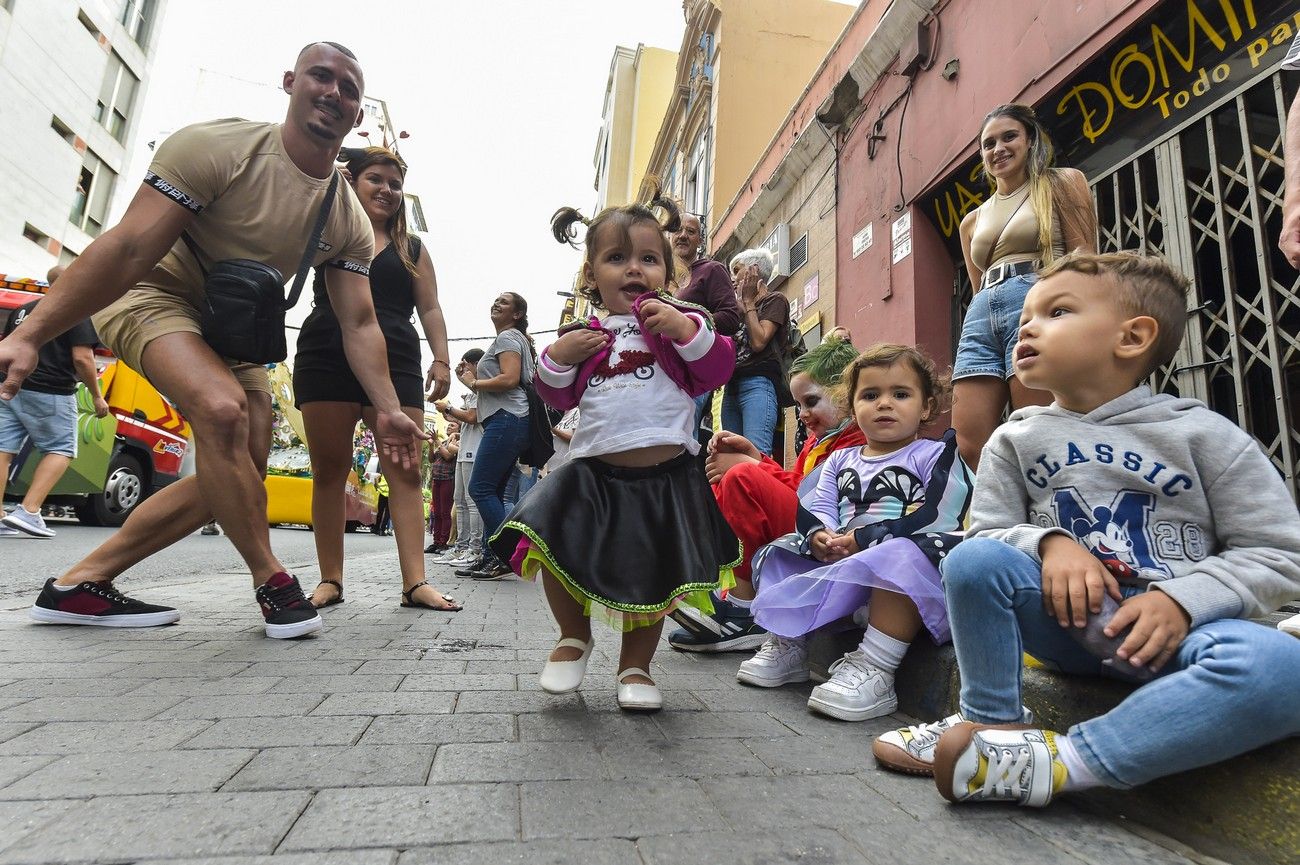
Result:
x=332 y=401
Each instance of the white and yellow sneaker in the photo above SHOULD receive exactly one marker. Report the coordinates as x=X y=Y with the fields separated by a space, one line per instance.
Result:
x=1008 y=763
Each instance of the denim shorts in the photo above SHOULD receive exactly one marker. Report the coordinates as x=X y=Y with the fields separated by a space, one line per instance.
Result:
x=988 y=333
x=50 y=419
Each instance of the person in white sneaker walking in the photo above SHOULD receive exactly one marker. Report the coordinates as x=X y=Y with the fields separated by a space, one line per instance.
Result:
x=216 y=193
x=626 y=529
x=872 y=533
x=1114 y=532
x=45 y=411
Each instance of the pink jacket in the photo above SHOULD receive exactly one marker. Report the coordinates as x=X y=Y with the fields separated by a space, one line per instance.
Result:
x=697 y=367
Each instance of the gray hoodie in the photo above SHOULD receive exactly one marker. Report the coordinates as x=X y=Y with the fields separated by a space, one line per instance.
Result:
x=1163 y=490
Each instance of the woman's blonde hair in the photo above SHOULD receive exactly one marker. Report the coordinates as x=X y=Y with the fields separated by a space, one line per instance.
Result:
x=1046 y=182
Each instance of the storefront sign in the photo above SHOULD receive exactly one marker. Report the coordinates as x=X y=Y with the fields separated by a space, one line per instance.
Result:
x=810 y=290
x=1161 y=73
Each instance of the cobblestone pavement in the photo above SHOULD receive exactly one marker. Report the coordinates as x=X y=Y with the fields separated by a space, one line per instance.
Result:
x=419 y=737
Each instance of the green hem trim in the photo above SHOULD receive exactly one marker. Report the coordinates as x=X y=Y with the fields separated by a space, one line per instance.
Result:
x=619 y=616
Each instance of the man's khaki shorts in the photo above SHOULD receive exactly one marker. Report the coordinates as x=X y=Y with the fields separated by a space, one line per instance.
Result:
x=143 y=314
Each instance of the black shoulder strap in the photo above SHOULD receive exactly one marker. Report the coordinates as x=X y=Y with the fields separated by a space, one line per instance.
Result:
x=310 y=252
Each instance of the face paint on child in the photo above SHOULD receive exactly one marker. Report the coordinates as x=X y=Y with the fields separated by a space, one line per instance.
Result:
x=818 y=412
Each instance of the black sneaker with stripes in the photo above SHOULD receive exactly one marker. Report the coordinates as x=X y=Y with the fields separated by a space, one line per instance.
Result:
x=731 y=628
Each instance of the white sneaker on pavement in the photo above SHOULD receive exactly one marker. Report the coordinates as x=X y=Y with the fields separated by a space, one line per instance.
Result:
x=977 y=763
x=856 y=690
x=28 y=523
x=6 y=532
x=911 y=749
x=779 y=661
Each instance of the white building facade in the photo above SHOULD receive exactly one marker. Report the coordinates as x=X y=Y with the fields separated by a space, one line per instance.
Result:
x=72 y=79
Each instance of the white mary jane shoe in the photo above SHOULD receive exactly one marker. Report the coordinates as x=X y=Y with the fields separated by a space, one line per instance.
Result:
x=638 y=696
x=561 y=677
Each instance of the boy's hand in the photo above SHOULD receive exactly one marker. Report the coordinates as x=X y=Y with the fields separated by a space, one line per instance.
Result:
x=667 y=321
x=1073 y=581
x=1159 y=623
x=843 y=546
x=724 y=442
x=576 y=346
x=719 y=463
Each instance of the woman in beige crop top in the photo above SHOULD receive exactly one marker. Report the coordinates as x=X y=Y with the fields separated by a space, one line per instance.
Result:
x=1036 y=214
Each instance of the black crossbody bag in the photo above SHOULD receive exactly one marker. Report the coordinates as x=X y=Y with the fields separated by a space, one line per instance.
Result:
x=242 y=315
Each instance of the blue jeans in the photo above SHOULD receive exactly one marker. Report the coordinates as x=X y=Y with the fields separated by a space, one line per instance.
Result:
x=749 y=408
x=1228 y=689
x=990 y=329
x=504 y=438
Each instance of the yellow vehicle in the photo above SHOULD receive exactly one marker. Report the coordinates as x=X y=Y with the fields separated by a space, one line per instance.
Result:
x=288 y=477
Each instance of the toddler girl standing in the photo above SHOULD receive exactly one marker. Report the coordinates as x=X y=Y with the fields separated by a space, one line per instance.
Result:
x=874 y=529
x=627 y=528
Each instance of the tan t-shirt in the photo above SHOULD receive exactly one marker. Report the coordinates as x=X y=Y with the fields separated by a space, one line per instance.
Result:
x=1006 y=230
x=251 y=202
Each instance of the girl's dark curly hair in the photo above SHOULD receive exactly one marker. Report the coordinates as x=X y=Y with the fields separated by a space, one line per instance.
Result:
x=564 y=229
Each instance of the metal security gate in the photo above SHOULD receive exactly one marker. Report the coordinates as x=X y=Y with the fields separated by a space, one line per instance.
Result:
x=1209 y=198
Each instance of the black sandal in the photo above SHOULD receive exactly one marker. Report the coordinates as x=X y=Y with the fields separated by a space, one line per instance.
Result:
x=408 y=601
x=337 y=599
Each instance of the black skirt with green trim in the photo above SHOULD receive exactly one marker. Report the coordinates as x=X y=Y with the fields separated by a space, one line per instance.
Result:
x=629 y=544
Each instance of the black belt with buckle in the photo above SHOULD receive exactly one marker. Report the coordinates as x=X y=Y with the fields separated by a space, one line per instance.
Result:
x=1002 y=272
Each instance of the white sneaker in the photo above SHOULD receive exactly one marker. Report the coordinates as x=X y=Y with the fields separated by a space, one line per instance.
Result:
x=911 y=749
x=780 y=661
x=446 y=558
x=976 y=763
x=28 y=523
x=463 y=560
x=855 y=691
x=6 y=532
x=1290 y=626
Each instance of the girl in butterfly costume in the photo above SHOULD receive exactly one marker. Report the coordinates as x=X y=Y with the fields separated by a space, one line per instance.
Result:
x=627 y=528
x=871 y=533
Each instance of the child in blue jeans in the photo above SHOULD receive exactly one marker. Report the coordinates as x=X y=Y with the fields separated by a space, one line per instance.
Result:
x=1114 y=531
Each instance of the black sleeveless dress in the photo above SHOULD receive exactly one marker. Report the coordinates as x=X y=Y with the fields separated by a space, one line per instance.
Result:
x=320 y=367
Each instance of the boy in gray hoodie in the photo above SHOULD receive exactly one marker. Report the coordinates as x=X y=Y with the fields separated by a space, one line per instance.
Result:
x=1114 y=531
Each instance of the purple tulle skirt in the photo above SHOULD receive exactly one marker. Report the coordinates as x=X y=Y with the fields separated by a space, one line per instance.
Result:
x=797 y=595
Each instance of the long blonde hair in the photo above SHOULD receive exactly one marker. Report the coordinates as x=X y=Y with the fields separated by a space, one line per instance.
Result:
x=1046 y=182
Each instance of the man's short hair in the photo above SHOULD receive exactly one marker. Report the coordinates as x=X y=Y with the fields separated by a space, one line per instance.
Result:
x=1146 y=285
x=342 y=49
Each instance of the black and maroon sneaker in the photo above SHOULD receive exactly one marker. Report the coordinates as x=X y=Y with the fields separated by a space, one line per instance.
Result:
x=287 y=611
x=98 y=604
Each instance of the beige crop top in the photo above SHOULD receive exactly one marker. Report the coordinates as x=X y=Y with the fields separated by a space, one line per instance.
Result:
x=1006 y=229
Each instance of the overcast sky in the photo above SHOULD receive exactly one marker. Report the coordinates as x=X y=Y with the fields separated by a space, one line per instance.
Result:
x=502 y=100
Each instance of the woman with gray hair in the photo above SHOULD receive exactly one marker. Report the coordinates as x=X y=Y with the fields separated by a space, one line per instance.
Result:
x=757 y=390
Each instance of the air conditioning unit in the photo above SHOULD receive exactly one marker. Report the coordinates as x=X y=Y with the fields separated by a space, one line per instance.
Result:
x=778 y=243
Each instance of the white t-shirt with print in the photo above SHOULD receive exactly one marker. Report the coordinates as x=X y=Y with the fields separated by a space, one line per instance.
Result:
x=470 y=433
x=637 y=408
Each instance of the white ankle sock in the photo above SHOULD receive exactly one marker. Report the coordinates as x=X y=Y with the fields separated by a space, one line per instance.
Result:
x=743 y=603
x=882 y=650
x=59 y=588
x=1078 y=775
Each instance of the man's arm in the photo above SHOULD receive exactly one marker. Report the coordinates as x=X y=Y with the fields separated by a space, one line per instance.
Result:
x=83 y=361
x=722 y=301
x=1289 y=242
x=113 y=263
x=363 y=341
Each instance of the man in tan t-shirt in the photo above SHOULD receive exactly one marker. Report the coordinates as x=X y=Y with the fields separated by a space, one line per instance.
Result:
x=240 y=190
